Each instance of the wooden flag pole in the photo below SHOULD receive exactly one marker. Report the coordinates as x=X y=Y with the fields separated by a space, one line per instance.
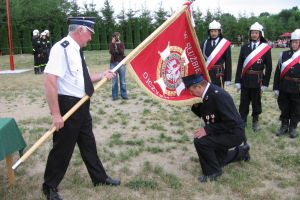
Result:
x=132 y=54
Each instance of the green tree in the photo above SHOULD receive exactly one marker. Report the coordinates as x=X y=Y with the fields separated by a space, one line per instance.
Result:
x=121 y=26
x=137 y=32
x=103 y=37
x=74 y=9
x=95 y=38
x=108 y=19
x=56 y=35
x=26 y=41
x=199 y=25
x=129 y=43
x=229 y=22
x=4 y=41
x=145 y=20
x=17 y=48
x=160 y=16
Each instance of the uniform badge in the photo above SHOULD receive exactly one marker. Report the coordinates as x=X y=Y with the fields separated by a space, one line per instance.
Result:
x=172 y=65
x=259 y=61
x=216 y=91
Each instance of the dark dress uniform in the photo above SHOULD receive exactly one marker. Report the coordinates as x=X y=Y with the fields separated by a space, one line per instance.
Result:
x=224 y=130
x=257 y=75
x=223 y=67
x=44 y=54
x=36 y=51
x=289 y=93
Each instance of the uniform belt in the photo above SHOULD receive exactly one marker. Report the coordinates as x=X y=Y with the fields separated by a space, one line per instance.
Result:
x=61 y=96
x=254 y=72
x=217 y=66
x=292 y=79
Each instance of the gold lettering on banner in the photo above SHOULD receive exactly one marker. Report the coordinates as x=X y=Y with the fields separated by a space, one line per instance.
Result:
x=192 y=57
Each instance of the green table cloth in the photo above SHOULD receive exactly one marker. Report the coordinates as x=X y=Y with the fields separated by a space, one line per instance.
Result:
x=11 y=139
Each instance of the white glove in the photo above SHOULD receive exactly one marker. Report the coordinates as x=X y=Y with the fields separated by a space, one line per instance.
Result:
x=263 y=88
x=276 y=93
x=226 y=83
x=238 y=87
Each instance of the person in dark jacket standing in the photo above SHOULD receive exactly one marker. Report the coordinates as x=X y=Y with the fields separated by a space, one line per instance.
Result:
x=116 y=50
x=217 y=53
x=44 y=52
x=287 y=87
x=223 y=130
x=36 y=51
x=253 y=74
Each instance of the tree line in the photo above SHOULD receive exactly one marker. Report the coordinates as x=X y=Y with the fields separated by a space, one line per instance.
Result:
x=134 y=25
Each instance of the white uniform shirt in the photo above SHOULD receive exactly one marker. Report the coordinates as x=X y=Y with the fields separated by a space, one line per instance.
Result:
x=70 y=76
x=216 y=41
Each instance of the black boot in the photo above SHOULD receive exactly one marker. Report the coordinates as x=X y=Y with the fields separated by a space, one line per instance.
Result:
x=51 y=193
x=246 y=149
x=282 y=130
x=293 y=132
x=255 y=126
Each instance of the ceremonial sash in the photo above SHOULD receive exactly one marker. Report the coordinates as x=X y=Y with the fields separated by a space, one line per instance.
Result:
x=217 y=53
x=289 y=63
x=254 y=56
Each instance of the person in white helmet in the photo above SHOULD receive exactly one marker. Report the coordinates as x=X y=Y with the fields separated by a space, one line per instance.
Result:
x=44 y=54
x=253 y=73
x=48 y=42
x=286 y=87
x=36 y=50
x=217 y=53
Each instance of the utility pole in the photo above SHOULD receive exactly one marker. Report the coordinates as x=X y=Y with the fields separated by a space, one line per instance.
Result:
x=11 y=57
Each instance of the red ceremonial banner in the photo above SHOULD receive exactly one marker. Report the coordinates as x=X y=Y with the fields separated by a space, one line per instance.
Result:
x=173 y=52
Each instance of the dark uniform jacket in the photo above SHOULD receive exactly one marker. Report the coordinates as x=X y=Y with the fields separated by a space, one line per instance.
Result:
x=219 y=113
x=290 y=82
x=254 y=80
x=36 y=46
x=116 y=51
x=225 y=58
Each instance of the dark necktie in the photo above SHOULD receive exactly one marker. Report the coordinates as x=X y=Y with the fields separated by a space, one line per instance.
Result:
x=214 y=43
x=88 y=85
x=254 y=46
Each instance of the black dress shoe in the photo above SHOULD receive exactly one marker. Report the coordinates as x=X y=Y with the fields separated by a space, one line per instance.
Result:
x=282 y=130
x=255 y=126
x=212 y=177
x=110 y=181
x=51 y=193
x=54 y=195
x=293 y=133
x=246 y=149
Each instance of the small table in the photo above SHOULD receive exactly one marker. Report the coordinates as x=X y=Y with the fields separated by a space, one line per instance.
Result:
x=11 y=140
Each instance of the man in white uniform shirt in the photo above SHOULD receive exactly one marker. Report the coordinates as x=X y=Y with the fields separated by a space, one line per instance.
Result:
x=66 y=81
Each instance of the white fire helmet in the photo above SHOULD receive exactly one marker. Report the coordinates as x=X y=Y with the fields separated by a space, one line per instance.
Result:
x=257 y=27
x=295 y=35
x=214 y=25
x=46 y=31
x=35 y=32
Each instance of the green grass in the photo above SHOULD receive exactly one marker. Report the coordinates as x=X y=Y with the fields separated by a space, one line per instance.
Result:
x=147 y=144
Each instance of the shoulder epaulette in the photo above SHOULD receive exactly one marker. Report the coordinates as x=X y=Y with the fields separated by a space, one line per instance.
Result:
x=64 y=44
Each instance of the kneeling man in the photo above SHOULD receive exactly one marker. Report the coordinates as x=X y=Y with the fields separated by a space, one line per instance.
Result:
x=219 y=142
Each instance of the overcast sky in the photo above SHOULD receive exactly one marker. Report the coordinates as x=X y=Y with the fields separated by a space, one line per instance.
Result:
x=234 y=7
